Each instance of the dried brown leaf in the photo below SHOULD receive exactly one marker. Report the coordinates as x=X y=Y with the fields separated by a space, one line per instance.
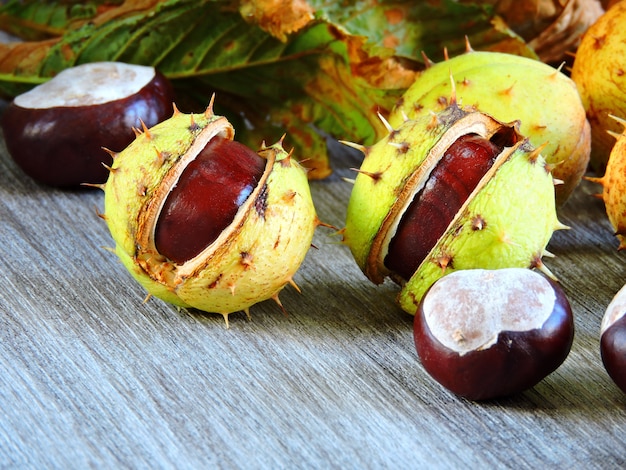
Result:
x=564 y=32
x=277 y=17
x=23 y=57
x=551 y=27
x=384 y=71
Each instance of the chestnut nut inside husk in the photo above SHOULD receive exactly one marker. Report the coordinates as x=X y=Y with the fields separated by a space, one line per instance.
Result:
x=510 y=88
x=449 y=185
x=206 y=198
x=56 y=131
x=202 y=221
x=450 y=191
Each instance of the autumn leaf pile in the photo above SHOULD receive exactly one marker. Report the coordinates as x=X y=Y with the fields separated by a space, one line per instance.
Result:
x=309 y=69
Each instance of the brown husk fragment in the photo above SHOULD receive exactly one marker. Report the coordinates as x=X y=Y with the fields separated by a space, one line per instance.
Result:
x=551 y=27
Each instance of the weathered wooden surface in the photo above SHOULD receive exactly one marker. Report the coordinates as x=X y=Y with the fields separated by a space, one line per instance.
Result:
x=92 y=377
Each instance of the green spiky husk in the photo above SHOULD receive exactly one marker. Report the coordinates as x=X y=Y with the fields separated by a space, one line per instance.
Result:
x=506 y=222
x=253 y=258
x=614 y=184
x=507 y=225
x=512 y=88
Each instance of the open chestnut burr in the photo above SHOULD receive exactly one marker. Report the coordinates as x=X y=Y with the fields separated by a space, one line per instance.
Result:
x=485 y=334
x=56 y=131
x=204 y=222
x=452 y=191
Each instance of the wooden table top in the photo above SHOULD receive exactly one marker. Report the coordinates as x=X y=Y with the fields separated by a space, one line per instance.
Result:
x=93 y=377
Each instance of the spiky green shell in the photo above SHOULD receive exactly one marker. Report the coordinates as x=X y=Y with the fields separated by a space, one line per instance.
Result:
x=382 y=180
x=599 y=72
x=253 y=258
x=512 y=88
x=614 y=185
x=506 y=222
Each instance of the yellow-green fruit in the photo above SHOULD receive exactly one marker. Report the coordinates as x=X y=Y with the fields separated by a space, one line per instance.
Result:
x=512 y=88
x=599 y=71
x=258 y=251
x=614 y=185
x=422 y=207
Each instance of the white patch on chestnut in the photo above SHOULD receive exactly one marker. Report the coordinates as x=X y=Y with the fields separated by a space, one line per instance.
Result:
x=615 y=310
x=88 y=84
x=56 y=132
x=467 y=310
x=613 y=339
x=487 y=334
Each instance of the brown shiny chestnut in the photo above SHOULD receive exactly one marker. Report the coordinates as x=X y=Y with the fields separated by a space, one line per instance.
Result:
x=206 y=197
x=485 y=334
x=56 y=131
x=449 y=185
x=613 y=339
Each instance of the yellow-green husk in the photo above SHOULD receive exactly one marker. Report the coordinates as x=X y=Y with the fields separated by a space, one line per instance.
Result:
x=507 y=221
x=253 y=258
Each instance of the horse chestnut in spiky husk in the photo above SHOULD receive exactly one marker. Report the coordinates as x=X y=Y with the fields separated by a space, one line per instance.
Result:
x=202 y=221
x=455 y=190
x=614 y=185
x=599 y=71
x=512 y=88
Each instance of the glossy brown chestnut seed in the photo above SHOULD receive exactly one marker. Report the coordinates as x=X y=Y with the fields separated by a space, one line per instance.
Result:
x=613 y=339
x=485 y=334
x=56 y=131
x=206 y=198
x=453 y=179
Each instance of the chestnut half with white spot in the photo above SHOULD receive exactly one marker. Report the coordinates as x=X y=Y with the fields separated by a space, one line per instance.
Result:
x=485 y=334
x=613 y=339
x=56 y=132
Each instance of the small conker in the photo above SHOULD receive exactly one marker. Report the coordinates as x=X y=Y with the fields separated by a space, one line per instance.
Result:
x=56 y=131
x=613 y=339
x=485 y=334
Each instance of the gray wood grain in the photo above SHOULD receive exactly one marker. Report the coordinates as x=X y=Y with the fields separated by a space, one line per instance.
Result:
x=92 y=377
